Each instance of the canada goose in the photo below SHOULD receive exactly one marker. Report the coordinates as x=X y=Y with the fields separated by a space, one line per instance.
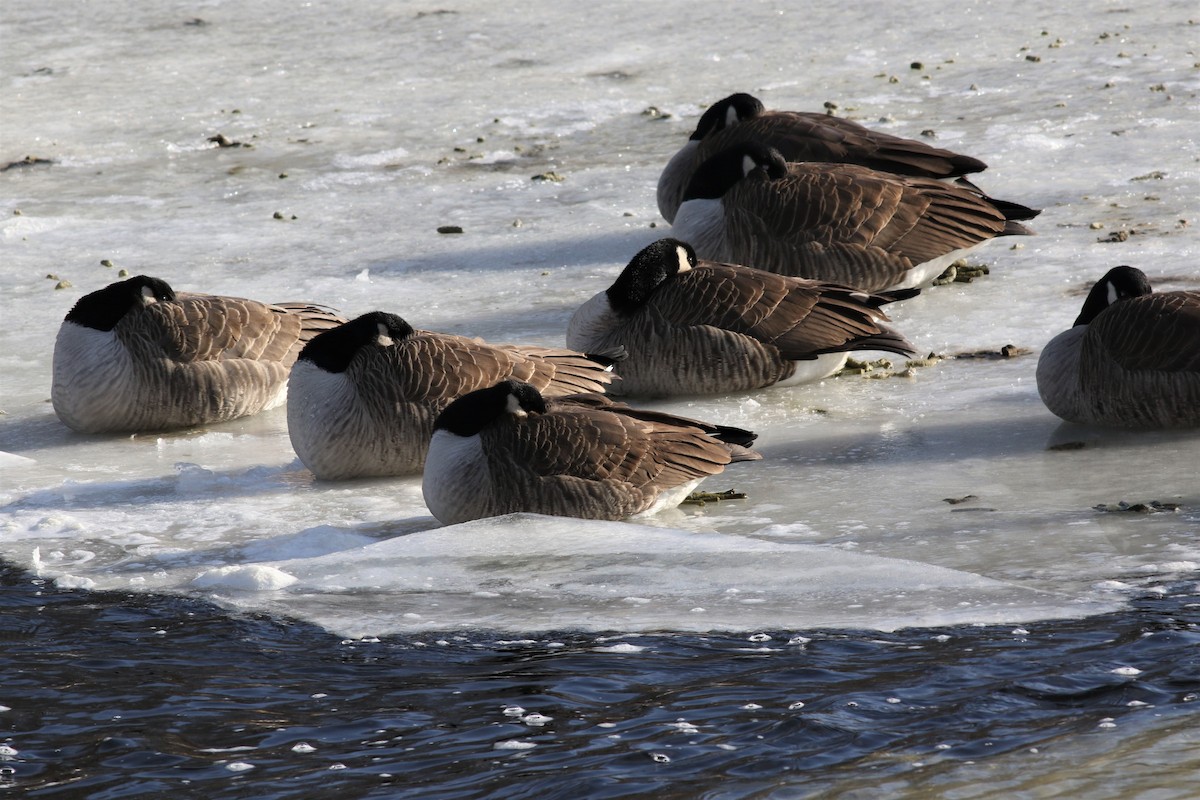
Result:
x=136 y=356
x=506 y=449
x=363 y=396
x=693 y=327
x=801 y=136
x=1132 y=358
x=835 y=222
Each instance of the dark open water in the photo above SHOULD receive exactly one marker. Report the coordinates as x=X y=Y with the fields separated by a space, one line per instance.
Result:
x=121 y=696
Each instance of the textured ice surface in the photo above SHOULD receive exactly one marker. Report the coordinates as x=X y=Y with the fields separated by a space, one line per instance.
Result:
x=365 y=139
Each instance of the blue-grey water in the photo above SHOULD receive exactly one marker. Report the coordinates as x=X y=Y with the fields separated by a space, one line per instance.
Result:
x=124 y=696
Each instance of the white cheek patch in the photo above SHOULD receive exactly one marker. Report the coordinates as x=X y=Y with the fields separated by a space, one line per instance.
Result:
x=1113 y=294
x=731 y=117
x=748 y=165
x=383 y=339
x=684 y=263
x=148 y=296
x=513 y=406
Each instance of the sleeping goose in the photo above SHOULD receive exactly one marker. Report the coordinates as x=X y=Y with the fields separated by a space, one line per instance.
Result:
x=1132 y=358
x=136 y=356
x=363 y=396
x=692 y=327
x=835 y=222
x=506 y=449
x=801 y=136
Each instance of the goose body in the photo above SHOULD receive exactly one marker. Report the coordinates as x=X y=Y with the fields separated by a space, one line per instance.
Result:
x=506 y=449
x=694 y=327
x=1132 y=358
x=363 y=397
x=840 y=223
x=801 y=136
x=136 y=356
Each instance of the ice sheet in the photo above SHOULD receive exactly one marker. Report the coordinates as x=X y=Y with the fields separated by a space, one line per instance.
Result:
x=363 y=140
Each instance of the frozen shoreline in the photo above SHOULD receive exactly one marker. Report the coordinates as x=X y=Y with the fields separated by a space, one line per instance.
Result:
x=366 y=139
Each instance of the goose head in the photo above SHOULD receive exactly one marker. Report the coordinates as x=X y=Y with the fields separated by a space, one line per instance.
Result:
x=653 y=266
x=726 y=113
x=722 y=172
x=104 y=308
x=334 y=349
x=1117 y=284
x=471 y=413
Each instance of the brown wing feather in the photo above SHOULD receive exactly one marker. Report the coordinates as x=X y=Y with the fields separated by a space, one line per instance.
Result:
x=802 y=318
x=646 y=455
x=434 y=368
x=198 y=327
x=811 y=136
x=313 y=320
x=1154 y=332
x=556 y=371
x=209 y=328
x=851 y=225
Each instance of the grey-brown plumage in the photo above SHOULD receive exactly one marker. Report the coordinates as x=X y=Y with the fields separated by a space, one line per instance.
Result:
x=363 y=397
x=505 y=449
x=136 y=356
x=700 y=327
x=835 y=222
x=801 y=136
x=1132 y=358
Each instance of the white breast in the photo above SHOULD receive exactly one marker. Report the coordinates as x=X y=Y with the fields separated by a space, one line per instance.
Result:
x=95 y=384
x=1058 y=374
x=701 y=223
x=591 y=325
x=456 y=482
x=672 y=183
x=324 y=419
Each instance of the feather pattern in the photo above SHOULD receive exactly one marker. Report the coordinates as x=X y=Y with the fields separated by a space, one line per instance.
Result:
x=801 y=136
x=834 y=222
x=1132 y=359
x=697 y=327
x=363 y=398
x=506 y=449
x=135 y=357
